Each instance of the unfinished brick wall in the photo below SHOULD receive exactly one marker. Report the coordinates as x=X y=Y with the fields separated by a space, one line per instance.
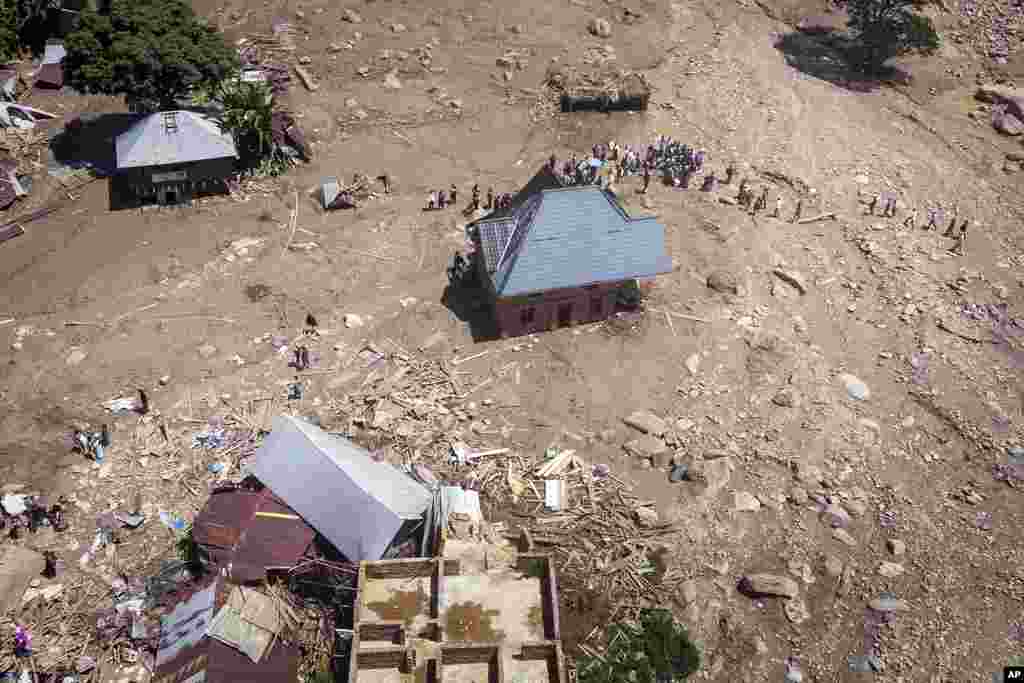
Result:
x=381 y=658
x=453 y=655
x=392 y=631
x=399 y=569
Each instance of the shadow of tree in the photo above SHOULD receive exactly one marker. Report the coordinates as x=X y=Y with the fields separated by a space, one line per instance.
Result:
x=832 y=56
x=89 y=141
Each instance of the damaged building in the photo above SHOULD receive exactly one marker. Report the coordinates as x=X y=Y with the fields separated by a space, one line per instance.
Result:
x=480 y=611
x=364 y=507
x=251 y=534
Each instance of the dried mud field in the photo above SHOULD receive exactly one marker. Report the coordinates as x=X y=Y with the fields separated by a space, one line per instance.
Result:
x=847 y=389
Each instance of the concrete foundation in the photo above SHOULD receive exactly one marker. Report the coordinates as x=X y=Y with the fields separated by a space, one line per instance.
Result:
x=425 y=621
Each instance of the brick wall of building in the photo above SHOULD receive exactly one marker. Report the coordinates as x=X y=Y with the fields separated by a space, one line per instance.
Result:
x=555 y=308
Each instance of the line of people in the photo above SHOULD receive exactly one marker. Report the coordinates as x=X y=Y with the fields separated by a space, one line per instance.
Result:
x=956 y=230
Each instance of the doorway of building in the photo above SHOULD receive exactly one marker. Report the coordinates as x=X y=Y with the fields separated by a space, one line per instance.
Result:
x=564 y=315
x=170 y=197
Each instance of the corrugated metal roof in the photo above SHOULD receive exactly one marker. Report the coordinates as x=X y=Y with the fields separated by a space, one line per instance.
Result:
x=271 y=541
x=352 y=500
x=193 y=137
x=215 y=662
x=493 y=238
x=581 y=236
x=224 y=517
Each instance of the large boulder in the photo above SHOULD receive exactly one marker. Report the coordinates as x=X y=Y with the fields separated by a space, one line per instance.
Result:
x=759 y=585
x=601 y=28
x=1011 y=98
x=1006 y=123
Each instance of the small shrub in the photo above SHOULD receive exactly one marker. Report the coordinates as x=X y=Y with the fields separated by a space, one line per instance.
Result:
x=656 y=650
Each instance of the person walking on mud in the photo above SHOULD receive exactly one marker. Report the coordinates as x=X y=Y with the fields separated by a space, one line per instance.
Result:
x=874 y=202
x=799 y=210
x=647 y=178
x=911 y=220
x=730 y=171
x=961 y=239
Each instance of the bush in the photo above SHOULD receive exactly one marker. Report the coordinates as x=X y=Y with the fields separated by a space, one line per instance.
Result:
x=656 y=650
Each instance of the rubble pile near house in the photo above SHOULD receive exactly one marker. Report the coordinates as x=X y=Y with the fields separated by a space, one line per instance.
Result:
x=177 y=510
x=588 y=520
x=408 y=402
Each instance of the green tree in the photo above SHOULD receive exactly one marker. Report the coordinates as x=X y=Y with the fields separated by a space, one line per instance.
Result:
x=883 y=29
x=152 y=51
x=8 y=29
x=248 y=115
x=656 y=650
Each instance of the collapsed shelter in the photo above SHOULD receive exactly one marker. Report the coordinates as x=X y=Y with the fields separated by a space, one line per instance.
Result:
x=364 y=507
x=216 y=635
x=250 y=534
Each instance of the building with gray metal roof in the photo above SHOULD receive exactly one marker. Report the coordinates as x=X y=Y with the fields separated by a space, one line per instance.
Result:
x=557 y=255
x=171 y=156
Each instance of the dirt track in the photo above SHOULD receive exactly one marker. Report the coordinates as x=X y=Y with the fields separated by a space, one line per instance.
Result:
x=875 y=293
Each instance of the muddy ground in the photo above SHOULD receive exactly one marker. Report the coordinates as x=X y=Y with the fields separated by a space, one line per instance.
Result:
x=760 y=383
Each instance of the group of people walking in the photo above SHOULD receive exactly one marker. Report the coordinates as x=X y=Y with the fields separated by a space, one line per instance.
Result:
x=442 y=199
x=956 y=229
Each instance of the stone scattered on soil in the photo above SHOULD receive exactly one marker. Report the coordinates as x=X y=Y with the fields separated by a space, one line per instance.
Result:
x=796 y=611
x=890 y=570
x=770 y=584
x=207 y=351
x=798 y=495
x=844 y=536
x=745 y=502
x=693 y=363
x=833 y=566
x=896 y=546
x=787 y=398
x=724 y=282
x=688 y=591
x=391 y=81
x=646 y=422
x=715 y=474
x=855 y=387
x=75 y=357
x=353 y=320
x=836 y=515
x=1006 y=123
x=646 y=517
x=351 y=16
x=647 y=446
x=601 y=28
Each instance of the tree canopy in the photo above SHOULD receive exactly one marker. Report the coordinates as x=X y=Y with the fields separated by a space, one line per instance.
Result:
x=883 y=29
x=153 y=51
